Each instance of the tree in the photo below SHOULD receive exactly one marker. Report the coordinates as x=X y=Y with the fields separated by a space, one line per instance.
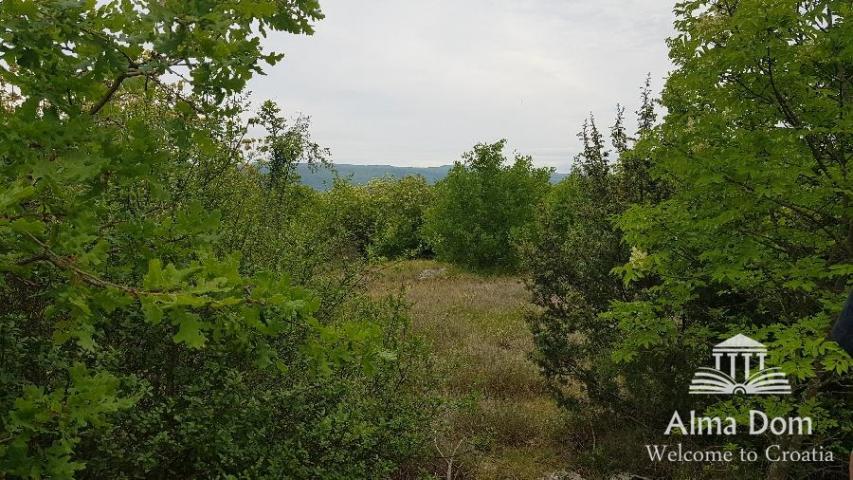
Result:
x=569 y=253
x=755 y=236
x=618 y=136
x=286 y=146
x=635 y=164
x=593 y=161
x=398 y=208
x=482 y=205
x=128 y=331
x=68 y=156
x=646 y=116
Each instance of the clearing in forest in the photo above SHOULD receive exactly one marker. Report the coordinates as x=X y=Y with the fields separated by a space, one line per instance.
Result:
x=499 y=419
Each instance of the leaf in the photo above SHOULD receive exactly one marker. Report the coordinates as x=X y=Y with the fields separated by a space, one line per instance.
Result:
x=152 y=311
x=189 y=330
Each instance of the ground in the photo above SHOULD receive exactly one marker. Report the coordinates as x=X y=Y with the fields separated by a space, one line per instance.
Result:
x=500 y=422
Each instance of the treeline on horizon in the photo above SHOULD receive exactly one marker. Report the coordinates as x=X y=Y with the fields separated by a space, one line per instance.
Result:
x=323 y=177
x=175 y=304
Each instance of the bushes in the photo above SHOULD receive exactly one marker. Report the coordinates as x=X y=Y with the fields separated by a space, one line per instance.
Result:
x=339 y=412
x=568 y=254
x=755 y=236
x=738 y=224
x=299 y=388
x=382 y=219
x=482 y=206
x=473 y=217
x=398 y=207
x=156 y=319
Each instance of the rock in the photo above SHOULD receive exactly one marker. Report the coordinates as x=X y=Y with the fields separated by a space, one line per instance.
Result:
x=627 y=476
x=431 y=273
x=563 y=476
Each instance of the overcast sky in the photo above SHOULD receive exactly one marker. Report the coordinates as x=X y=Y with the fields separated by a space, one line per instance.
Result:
x=407 y=82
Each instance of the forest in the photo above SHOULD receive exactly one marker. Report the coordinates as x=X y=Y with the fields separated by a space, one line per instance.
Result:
x=176 y=304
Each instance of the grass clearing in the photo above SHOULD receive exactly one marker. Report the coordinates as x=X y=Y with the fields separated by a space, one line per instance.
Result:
x=500 y=422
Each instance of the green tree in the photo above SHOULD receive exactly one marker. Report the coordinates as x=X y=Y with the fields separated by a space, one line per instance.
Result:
x=482 y=205
x=635 y=163
x=286 y=146
x=755 y=236
x=133 y=342
x=68 y=156
x=398 y=207
x=569 y=253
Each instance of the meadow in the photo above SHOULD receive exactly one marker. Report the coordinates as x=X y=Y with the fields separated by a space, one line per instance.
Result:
x=497 y=419
x=176 y=304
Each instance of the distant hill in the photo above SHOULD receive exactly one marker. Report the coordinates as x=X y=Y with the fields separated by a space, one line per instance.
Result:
x=361 y=174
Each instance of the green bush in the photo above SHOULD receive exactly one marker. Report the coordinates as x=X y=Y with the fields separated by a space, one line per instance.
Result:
x=569 y=253
x=754 y=237
x=215 y=413
x=380 y=220
x=482 y=205
x=398 y=209
x=155 y=320
x=734 y=218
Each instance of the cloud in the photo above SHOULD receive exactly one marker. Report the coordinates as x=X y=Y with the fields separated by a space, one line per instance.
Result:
x=418 y=83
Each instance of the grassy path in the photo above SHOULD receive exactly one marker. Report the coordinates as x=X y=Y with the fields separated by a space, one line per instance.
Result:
x=500 y=422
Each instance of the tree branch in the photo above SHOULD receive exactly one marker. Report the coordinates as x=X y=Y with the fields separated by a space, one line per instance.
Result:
x=109 y=95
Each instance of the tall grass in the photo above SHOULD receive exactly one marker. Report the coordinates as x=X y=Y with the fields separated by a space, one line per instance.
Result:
x=498 y=421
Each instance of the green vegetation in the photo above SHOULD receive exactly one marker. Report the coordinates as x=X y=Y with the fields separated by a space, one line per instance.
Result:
x=482 y=205
x=732 y=216
x=176 y=303
x=497 y=420
x=169 y=312
x=756 y=234
x=570 y=253
x=323 y=177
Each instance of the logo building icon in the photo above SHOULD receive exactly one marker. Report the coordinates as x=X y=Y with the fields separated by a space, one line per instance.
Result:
x=746 y=374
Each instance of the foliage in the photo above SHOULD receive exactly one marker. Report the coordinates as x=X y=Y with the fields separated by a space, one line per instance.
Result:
x=149 y=327
x=482 y=205
x=634 y=169
x=398 y=207
x=215 y=414
x=747 y=228
x=286 y=146
x=756 y=235
x=323 y=178
x=569 y=252
x=380 y=220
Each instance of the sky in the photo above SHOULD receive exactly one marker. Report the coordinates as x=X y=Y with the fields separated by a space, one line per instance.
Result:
x=417 y=83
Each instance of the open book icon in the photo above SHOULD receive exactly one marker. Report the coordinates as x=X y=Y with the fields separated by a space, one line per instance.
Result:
x=764 y=382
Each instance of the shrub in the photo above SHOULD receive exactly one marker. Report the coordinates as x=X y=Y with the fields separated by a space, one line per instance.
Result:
x=755 y=235
x=738 y=224
x=482 y=205
x=149 y=327
x=398 y=209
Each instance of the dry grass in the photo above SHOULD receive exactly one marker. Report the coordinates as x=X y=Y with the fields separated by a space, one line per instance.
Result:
x=499 y=414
